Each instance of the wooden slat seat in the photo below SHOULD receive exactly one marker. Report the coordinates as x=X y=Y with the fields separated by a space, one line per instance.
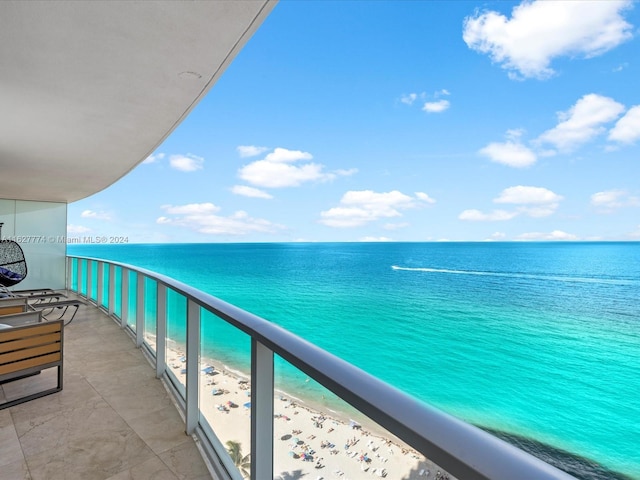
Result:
x=29 y=349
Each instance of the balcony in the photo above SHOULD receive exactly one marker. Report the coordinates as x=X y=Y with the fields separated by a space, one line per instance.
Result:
x=111 y=392
x=113 y=418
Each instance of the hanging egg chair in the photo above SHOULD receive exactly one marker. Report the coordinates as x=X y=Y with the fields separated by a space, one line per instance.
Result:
x=13 y=267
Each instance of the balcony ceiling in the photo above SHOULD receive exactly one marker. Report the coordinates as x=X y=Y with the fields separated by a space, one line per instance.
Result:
x=89 y=89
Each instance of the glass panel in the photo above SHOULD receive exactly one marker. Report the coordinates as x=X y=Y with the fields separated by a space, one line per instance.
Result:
x=133 y=300
x=150 y=311
x=318 y=434
x=117 y=301
x=105 y=285
x=46 y=221
x=225 y=387
x=83 y=285
x=73 y=275
x=93 y=281
x=176 y=339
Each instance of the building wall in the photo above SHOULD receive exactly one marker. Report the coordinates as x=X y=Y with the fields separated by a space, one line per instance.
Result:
x=40 y=228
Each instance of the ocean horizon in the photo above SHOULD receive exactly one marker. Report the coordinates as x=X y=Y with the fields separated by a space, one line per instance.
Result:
x=536 y=342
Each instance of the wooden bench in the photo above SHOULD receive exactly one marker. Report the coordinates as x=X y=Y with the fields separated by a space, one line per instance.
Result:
x=27 y=349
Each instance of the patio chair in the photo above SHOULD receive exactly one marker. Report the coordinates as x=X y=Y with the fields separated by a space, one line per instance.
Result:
x=13 y=267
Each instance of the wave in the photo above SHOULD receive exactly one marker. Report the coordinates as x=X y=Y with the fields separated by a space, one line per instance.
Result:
x=556 y=278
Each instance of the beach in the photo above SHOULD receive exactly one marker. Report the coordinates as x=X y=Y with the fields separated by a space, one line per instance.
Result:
x=310 y=443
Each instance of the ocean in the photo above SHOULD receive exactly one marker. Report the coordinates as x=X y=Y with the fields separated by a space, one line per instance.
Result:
x=536 y=342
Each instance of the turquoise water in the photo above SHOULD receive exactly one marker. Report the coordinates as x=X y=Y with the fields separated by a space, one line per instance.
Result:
x=540 y=340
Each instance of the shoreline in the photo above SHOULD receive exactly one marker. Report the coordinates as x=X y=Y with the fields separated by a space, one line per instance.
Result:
x=415 y=466
x=308 y=440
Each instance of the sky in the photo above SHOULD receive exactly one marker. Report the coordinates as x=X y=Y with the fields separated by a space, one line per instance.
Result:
x=416 y=121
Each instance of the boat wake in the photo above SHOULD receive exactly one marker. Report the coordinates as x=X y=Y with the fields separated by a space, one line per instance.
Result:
x=555 y=278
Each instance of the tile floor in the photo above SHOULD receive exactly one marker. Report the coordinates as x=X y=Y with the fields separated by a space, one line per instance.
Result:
x=113 y=419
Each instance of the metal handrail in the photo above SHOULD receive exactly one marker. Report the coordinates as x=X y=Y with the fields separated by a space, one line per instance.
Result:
x=461 y=449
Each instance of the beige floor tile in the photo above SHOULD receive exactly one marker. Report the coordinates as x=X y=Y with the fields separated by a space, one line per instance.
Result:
x=152 y=469
x=113 y=419
x=185 y=461
x=15 y=470
x=161 y=430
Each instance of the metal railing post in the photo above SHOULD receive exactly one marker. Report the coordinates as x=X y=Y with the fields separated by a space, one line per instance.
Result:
x=261 y=411
x=139 y=310
x=161 y=330
x=124 y=297
x=112 y=289
x=89 y=279
x=79 y=276
x=99 y=296
x=192 y=413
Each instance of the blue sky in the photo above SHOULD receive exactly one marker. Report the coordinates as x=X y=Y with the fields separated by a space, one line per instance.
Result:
x=402 y=121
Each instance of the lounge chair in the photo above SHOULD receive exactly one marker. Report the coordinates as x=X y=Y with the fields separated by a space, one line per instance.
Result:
x=51 y=307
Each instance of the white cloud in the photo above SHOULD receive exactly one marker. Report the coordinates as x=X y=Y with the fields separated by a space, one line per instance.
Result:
x=364 y=206
x=425 y=197
x=202 y=218
x=540 y=31
x=191 y=209
x=95 y=215
x=278 y=175
x=376 y=239
x=478 y=216
x=539 y=211
x=250 y=150
x=154 y=158
x=627 y=129
x=345 y=173
x=250 y=192
x=527 y=195
x=409 y=98
x=276 y=170
x=582 y=122
x=610 y=200
x=282 y=155
x=513 y=154
x=186 y=163
x=555 y=235
x=436 y=107
x=532 y=201
x=76 y=229
x=498 y=235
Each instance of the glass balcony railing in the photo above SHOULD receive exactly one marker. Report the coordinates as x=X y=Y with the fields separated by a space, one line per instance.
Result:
x=266 y=404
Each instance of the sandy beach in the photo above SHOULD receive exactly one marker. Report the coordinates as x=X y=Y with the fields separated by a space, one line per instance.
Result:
x=309 y=443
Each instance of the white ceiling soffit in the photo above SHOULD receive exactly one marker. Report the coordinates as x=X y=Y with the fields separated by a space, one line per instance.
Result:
x=89 y=89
